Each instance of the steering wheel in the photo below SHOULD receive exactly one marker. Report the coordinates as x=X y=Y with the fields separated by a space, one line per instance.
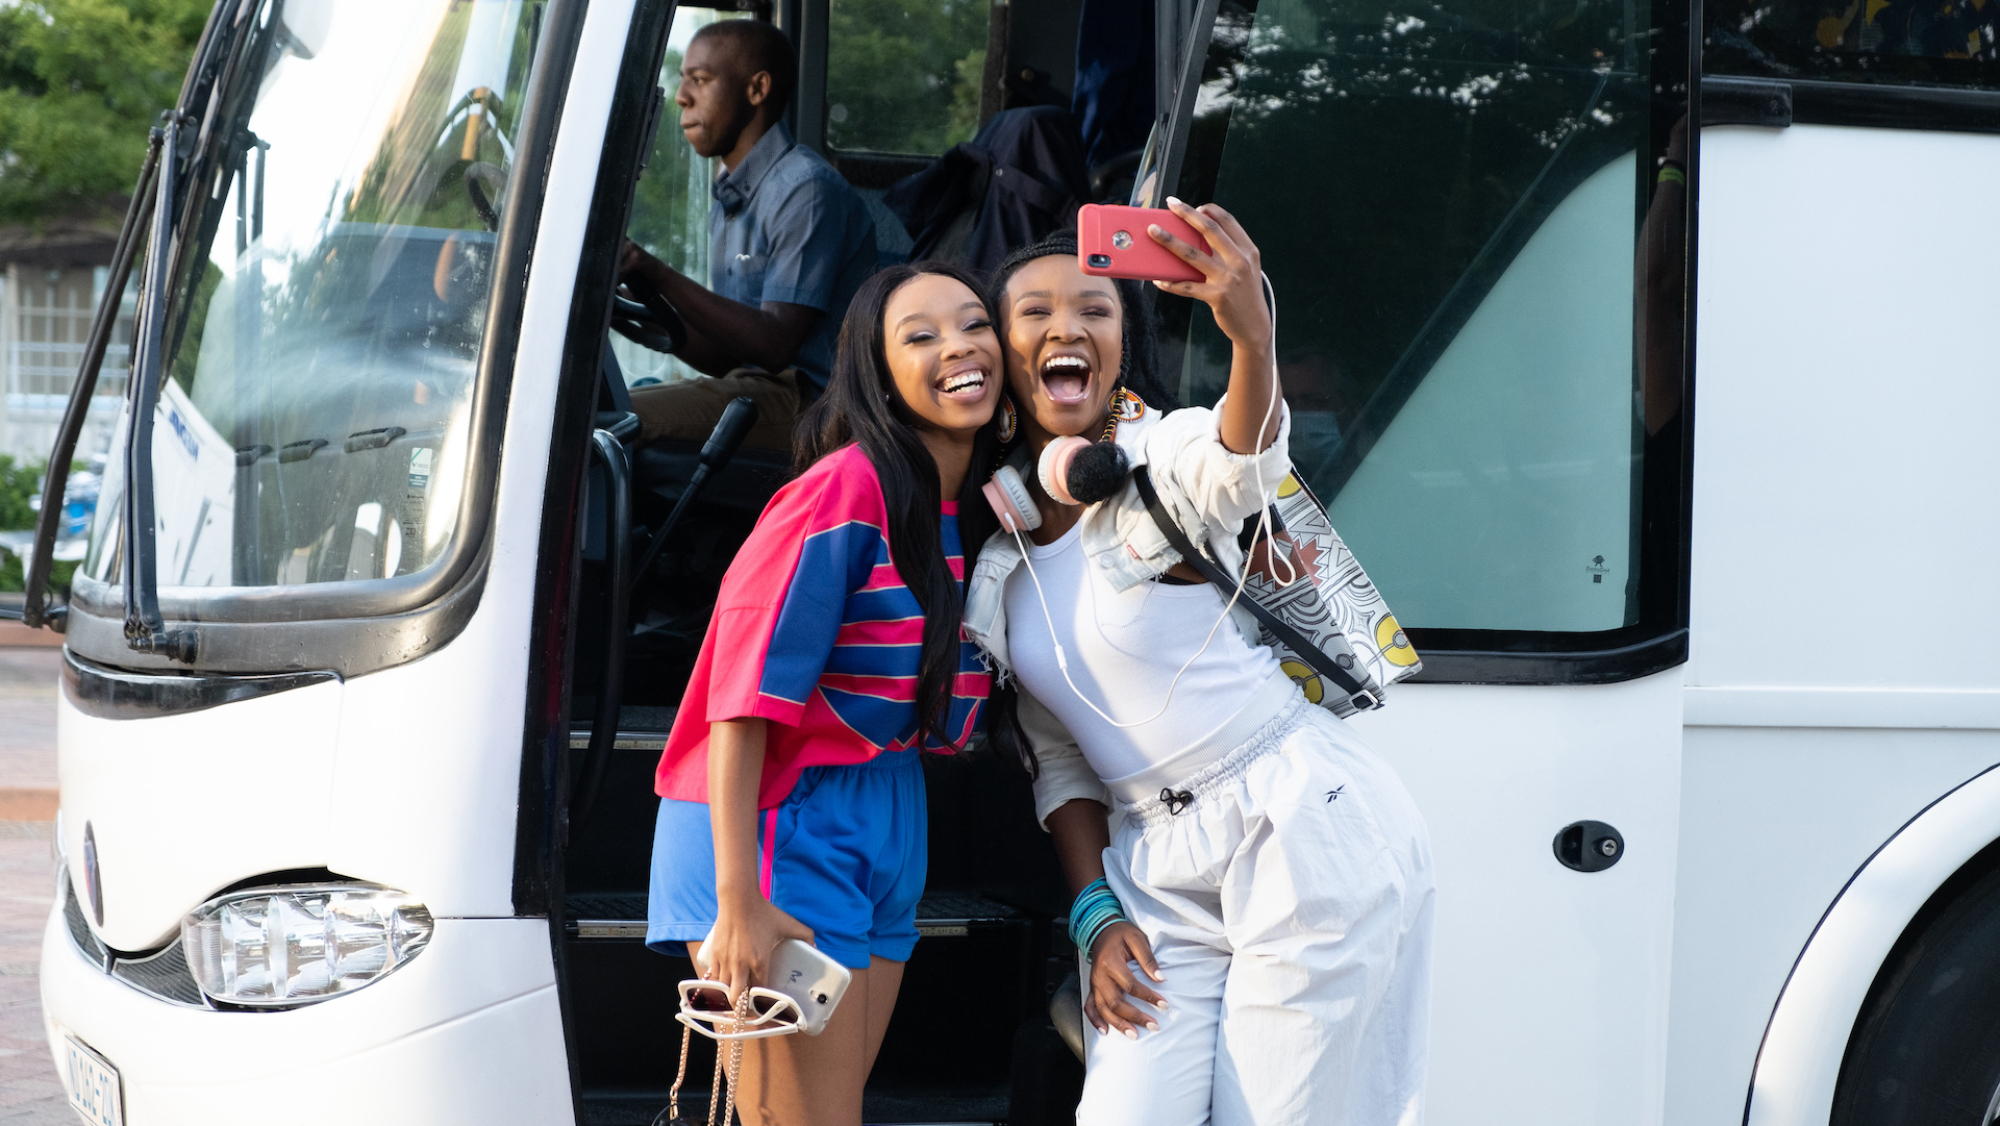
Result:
x=649 y=322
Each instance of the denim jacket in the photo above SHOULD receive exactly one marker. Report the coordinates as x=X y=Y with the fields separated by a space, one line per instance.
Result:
x=1209 y=490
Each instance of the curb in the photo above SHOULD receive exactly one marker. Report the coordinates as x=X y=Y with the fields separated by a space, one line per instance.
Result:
x=16 y=634
x=19 y=803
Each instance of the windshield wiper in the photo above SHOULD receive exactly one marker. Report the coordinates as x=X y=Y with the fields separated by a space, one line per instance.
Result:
x=218 y=37
x=145 y=630
x=35 y=611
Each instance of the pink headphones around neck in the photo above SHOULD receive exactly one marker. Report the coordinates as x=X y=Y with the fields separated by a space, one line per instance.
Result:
x=1009 y=495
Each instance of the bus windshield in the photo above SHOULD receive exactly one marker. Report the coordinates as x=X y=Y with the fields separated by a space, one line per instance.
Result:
x=330 y=296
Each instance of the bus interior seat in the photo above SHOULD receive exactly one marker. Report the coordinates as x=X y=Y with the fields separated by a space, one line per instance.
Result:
x=871 y=174
x=660 y=471
x=1021 y=178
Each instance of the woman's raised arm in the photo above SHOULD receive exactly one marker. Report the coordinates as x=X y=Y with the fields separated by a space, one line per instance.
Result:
x=1234 y=291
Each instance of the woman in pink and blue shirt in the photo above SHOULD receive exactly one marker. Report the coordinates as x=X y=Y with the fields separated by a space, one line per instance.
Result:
x=793 y=799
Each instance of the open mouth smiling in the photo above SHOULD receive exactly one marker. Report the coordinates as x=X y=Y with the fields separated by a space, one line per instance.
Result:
x=1066 y=378
x=963 y=383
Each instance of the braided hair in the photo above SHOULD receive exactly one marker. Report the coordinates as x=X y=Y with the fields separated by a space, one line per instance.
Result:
x=1139 y=373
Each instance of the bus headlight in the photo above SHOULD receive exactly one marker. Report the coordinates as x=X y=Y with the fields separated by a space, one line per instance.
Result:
x=286 y=946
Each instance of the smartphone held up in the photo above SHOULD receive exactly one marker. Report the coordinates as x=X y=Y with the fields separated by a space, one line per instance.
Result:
x=1113 y=242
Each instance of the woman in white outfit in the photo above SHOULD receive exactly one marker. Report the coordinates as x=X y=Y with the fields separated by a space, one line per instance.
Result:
x=1259 y=946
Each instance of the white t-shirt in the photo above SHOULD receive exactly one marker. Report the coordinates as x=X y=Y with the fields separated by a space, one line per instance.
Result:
x=1124 y=649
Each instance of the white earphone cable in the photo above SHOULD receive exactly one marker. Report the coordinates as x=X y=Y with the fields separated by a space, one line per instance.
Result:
x=1263 y=532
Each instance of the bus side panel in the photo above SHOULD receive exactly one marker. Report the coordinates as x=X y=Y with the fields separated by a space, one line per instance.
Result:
x=1846 y=528
x=1549 y=998
x=1847 y=456
x=428 y=782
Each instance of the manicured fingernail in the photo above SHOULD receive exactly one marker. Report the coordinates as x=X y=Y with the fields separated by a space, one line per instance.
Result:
x=1153 y=1025
x=1176 y=201
x=1163 y=1002
x=1131 y=1034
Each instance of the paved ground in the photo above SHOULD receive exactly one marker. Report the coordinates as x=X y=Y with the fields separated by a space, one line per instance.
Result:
x=28 y=717
x=29 y=1093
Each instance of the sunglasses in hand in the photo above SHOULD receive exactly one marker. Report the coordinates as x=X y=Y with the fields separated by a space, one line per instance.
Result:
x=705 y=1008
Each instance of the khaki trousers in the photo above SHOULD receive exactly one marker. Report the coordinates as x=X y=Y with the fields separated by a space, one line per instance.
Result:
x=689 y=411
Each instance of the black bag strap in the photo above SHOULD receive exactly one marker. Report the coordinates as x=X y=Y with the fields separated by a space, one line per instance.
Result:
x=1311 y=654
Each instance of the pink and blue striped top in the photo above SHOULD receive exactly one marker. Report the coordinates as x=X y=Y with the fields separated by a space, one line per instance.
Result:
x=815 y=631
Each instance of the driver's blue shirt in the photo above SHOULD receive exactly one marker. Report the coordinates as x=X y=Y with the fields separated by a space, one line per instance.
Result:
x=786 y=227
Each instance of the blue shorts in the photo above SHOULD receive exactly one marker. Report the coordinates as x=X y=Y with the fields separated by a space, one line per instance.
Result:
x=844 y=854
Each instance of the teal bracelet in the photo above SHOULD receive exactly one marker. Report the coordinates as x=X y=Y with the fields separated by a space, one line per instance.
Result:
x=1095 y=909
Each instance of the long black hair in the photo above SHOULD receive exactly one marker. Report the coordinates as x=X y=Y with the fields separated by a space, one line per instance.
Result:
x=862 y=407
x=1139 y=373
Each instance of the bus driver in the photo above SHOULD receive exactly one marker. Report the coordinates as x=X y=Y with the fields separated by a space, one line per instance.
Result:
x=789 y=243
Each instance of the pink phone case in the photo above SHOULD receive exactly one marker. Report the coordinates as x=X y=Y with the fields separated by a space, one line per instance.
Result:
x=1112 y=242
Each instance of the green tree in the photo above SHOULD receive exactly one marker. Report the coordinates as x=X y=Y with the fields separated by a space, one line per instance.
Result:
x=903 y=75
x=19 y=482
x=80 y=83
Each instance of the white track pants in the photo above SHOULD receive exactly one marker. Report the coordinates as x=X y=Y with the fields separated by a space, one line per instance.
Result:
x=1290 y=908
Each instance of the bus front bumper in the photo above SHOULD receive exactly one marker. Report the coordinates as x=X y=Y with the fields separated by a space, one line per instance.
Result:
x=468 y=1031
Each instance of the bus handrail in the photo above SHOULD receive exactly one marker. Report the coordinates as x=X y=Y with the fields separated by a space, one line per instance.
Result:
x=618 y=559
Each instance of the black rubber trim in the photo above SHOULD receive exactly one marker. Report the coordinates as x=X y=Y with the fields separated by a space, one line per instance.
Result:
x=1180 y=116
x=1746 y=101
x=163 y=974
x=80 y=934
x=1608 y=666
x=346 y=646
x=1777 y=103
x=103 y=692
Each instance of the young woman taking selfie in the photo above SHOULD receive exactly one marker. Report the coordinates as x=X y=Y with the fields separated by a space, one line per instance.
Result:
x=1253 y=885
x=793 y=799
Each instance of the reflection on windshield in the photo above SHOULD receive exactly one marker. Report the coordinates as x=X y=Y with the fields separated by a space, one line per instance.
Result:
x=314 y=427
x=1446 y=195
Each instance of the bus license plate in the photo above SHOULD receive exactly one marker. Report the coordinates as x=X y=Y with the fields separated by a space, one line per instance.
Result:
x=93 y=1085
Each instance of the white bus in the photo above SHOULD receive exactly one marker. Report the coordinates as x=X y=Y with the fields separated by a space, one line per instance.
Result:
x=1637 y=349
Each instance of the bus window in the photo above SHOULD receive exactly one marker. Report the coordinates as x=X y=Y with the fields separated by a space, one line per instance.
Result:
x=1448 y=198
x=326 y=319
x=1929 y=42
x=670 y=207
x=903 y=76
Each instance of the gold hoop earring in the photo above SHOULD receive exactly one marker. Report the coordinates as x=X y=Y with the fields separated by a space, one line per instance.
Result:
x=1010 y=423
